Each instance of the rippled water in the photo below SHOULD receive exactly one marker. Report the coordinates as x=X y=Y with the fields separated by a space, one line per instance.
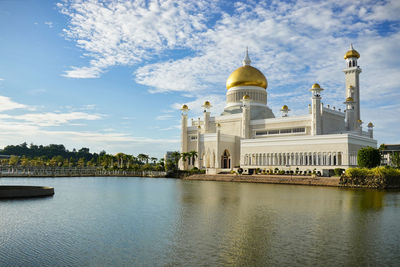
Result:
x=139 y=221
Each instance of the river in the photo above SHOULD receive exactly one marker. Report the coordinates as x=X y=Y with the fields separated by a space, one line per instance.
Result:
x=119 y=221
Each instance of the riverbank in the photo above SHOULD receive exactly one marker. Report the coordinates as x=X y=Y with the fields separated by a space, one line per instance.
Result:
x=268 y=179
x=84 y=173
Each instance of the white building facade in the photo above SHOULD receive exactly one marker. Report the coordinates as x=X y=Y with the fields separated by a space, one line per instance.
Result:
x=248 y=135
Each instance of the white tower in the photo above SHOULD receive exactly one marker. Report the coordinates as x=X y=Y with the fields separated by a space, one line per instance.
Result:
x=206 y=107
x=371 y=130
x=352 y=73
x=184 y=140
x=350 y=122
x=285 y=111
x=246 y=117
x=316 y=124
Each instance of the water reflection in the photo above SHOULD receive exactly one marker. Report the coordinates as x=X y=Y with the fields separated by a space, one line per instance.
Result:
x=250 y=224
x=134 y=221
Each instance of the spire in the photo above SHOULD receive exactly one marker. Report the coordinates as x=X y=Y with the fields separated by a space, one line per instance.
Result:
x=351 y=47
x=246 y=60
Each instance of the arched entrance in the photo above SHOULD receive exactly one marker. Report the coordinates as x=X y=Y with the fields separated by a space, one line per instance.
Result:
x=226 y=160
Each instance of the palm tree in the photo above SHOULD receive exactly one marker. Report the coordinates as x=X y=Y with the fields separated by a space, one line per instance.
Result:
x=193 y=155
x=143 y=158
x=184 y=156
x=153 y=159
x=176 y=156
x=120 y=159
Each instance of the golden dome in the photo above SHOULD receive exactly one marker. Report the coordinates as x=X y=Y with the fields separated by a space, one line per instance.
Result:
x=284 y=107
x=359 y=121
x=370 y=125
x=246 y=76
x=246 y=97
x=315 y=86
x=185 y=107
x=349 y=99
x=351 y=53
x=207 y=104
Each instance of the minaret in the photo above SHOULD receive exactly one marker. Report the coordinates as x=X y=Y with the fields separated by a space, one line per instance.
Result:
x=198 y=159
x=285 y=111
x=184 y=140
x=350 y=122
x=316 y=123
x=371 y=130
x=352 y=73
x=206 y=107
x=217 y=163
x=246 y=117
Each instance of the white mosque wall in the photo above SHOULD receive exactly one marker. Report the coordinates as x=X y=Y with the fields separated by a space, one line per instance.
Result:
x=332 y=121
x=305 y=152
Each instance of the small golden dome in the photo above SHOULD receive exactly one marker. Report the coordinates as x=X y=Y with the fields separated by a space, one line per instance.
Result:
x=284 y=107
x=359 y=121
x=185 y=107
x=246 y=76
x=246 y=97
x=349 y=99
x=207 y=104
x=370 y=125
x=316 y=86
x=218 y=125
x=198 y=127
x=351 y=53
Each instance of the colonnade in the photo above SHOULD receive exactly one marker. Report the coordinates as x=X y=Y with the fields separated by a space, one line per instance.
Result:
x=293 y=159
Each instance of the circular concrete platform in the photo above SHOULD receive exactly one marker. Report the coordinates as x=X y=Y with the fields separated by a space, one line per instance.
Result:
x=21 y=191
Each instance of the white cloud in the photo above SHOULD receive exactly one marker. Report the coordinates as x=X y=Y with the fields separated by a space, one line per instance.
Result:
x=126 y=32
x=51 y=119
x=7 y=104
x=49 y=23
x=294 y=44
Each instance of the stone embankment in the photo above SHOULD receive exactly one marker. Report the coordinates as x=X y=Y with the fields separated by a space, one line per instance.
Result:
x=268 y=179
x=19 y=171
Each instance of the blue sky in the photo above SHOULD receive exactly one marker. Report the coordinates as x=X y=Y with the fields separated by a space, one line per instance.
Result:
x=112 y=74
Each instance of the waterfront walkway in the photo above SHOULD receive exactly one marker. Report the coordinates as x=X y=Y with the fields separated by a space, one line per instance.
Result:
x=47 y=171
x=268 y=179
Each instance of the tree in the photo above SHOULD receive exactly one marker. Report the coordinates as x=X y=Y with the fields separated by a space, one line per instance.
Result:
x=143 y=158
x=368 y=157
x=185 y=155
x=395 y=159
x=193 y=155
x=173 y=163
x=153 y=159
x=13 y=160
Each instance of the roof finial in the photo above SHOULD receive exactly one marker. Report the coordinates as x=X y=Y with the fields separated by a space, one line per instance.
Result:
x=351 y=47
x=246 y=60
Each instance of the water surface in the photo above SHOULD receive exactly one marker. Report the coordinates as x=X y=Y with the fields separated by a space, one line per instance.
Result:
x=158 y=222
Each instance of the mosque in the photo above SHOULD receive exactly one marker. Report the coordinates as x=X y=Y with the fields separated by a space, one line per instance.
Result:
x=247 y=134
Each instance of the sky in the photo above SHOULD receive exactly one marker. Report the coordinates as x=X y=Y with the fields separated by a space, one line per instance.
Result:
x=112 y=75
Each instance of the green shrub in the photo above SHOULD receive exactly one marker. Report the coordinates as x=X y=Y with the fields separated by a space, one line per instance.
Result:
x=379 y=177
x=338 y=171
x=368 y=157
x=281 y=172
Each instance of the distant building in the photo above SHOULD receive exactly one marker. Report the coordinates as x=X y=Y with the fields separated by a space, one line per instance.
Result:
x=247 y=133
x=387 y=153
x=168 y=156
